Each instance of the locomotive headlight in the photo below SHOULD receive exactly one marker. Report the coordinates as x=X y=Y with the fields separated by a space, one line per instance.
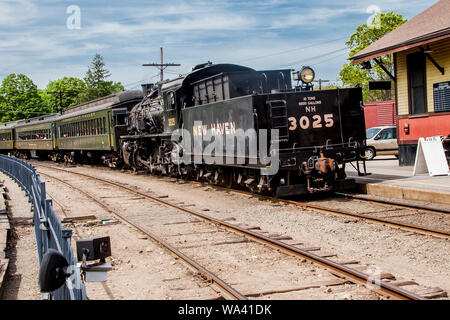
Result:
x=307 y=75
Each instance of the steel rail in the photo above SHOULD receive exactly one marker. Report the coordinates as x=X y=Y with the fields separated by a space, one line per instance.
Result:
x=398 y=203
x=393 y=202
x=224 y=287
x=384 y=287
x=400 y=225
x=410 y=227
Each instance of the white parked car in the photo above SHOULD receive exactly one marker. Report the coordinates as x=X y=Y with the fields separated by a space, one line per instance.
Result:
x=381 y=141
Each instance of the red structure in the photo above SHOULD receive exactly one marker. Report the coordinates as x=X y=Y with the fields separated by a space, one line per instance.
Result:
x=411 y=129
x=380 y=113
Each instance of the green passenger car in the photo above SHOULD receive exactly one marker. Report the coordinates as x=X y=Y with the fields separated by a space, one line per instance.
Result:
x=7 y=136
x=35 y=134
x=97 y=125
x=89 y=130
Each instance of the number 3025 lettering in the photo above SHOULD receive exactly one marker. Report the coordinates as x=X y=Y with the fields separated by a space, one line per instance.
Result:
x=305 y=122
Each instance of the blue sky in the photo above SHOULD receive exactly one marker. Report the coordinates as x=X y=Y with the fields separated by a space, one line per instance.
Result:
x=265 y=34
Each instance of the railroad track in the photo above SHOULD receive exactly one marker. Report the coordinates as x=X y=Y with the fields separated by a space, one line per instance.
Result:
x=395 y=203
x=396 y=224
x=323 y=209
x=398 y=203
x=227 y=290
x=355 y=276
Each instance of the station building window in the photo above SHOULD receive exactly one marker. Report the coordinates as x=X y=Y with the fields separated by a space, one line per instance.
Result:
x=416 y=82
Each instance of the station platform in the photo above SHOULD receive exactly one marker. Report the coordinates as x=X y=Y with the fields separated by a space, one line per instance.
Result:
x=389 y=180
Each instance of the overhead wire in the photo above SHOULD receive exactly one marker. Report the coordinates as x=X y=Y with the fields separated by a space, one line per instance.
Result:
x=311 y=58
x=295 y=49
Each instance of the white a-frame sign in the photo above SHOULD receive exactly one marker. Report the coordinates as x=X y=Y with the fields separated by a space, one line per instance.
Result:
x=430 y=157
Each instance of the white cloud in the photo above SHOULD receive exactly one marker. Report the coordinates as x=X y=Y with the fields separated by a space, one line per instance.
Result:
x=15 y=13
x=35 y=41
x=314 y=17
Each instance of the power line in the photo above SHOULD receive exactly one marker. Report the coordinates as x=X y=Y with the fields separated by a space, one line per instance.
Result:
x=59 y=94
x=296 y=49
x=330 y=58
x=309 y=59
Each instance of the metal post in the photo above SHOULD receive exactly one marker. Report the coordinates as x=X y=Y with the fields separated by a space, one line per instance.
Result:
x=162 y=59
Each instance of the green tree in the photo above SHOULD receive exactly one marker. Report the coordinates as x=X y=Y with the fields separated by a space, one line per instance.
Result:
x=96 y=84
x=20 y=99
x=327 y=86
x=352 y=75
x=64 y=93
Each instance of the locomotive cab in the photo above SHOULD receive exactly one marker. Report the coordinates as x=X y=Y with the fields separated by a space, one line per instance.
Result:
x=173 y=101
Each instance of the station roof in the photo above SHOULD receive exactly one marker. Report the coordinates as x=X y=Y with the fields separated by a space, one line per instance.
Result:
x=429 y=26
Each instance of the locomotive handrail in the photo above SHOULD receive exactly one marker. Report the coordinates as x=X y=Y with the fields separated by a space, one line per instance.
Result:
x=48 y=230
x=344 y=144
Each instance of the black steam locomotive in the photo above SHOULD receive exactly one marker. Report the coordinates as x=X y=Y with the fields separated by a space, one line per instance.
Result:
x=231 y=125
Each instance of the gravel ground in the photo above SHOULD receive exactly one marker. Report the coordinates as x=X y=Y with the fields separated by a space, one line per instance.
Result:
x=407 y=255
x=438 y=221
x=133 y=255
x=250 y=267
x=21 y=280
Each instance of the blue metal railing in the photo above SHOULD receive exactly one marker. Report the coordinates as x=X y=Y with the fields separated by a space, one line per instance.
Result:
x=48 y=229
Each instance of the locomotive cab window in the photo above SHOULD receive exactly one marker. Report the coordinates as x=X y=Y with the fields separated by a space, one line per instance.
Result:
x=171 y=100
x=120 y=119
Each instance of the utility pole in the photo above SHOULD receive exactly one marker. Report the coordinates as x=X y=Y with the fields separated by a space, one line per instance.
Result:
x=161 y=66
x=59 y=94
x=320 y=82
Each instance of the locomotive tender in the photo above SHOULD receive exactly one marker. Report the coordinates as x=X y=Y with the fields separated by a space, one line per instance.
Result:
x=222 y=123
